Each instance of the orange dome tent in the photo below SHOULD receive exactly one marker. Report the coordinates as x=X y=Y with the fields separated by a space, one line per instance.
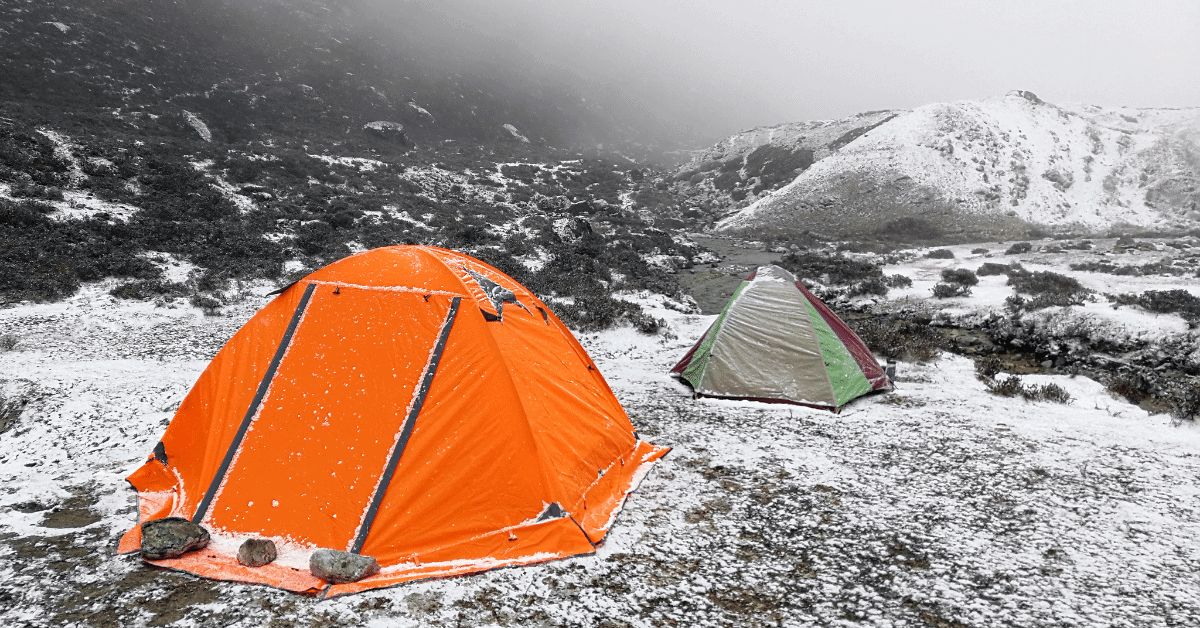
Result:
x=408 y=403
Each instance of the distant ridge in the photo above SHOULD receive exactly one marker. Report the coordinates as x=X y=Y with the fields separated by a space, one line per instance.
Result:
x=995 y=167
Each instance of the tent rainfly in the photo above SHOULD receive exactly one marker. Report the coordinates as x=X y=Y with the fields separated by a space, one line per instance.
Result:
x=408 y=403
x=776 y=342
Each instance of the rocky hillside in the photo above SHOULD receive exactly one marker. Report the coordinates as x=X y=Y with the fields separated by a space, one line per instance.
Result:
x=260 y=70
x=996 y=167
x=181 y=149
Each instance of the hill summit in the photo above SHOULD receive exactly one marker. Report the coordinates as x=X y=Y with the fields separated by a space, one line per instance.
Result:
x=995 y=167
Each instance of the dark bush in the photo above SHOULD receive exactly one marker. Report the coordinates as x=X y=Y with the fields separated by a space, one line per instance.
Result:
x=948 y=290
x=962 y=276
x=1010 y=386
x=726 y=181
x=940 y=254
x=838 y=269
x=1018 y=248
x=898 y=339
x=208 y=303
x=1134 y=270
x=343 y=219
x=1170 y=302
x=1185 y=405
x=774 y=165
x=897 y=281
x=980 y=251
x=990 y=268
x=1128 y=386
x=1047 y=392
x=870 y=285
x=594 y=313
x=147 y=289
x=44 y=260
x=1048 y=288
x=988 y=368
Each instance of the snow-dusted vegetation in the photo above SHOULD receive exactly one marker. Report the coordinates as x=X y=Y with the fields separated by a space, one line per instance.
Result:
x=1034 y=269
x=937 y=504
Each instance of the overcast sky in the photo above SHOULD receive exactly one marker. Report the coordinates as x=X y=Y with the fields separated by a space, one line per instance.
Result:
x=732 y=64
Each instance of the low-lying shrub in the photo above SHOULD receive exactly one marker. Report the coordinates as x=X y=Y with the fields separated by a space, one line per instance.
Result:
x=1132 y=270
x=1018 y=248
x=601 y=312
x=208 y=303
x=870 y=285
x=832 y=269
x=146 y=289
x=991 y=268
x=899 y=339
x=1177 y=301
x=1047 y=392
x=1047 y=289
x=987 y=369
x=961 y=276
x=1128 y=386
x=1186 y=403
x=949 y=290
x=897 y=281
x=940 y=254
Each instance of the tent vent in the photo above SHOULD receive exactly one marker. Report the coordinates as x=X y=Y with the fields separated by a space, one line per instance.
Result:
x=488 y=316
x=160 y=453
x=496 y=294
x=553 y=511
x=545 y=318
x=337 y=290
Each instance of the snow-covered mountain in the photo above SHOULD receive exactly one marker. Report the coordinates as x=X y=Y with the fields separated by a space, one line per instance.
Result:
x=996 y=167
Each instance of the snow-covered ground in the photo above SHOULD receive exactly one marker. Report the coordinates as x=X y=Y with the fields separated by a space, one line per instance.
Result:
x=935 y=505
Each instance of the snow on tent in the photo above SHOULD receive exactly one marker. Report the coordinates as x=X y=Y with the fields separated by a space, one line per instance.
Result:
x=408 y=403
x=775 y=341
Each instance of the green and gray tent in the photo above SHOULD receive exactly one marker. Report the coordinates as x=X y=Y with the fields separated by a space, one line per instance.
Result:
x=775 y=341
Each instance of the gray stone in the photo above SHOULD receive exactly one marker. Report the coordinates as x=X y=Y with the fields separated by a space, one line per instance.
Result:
x=257 y=552
x=341 y=567
x=171 y=537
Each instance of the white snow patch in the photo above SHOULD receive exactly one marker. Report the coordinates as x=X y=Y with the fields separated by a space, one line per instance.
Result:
x=512 y=130
x=361 y=164
x=196 y=123
x=421 y=110
x=64 y=149
x=227 y=189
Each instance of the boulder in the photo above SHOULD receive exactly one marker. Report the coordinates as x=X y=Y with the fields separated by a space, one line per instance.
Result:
x=257 y=552
x=171 y=537
x=341 y=567
x=387 y=130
